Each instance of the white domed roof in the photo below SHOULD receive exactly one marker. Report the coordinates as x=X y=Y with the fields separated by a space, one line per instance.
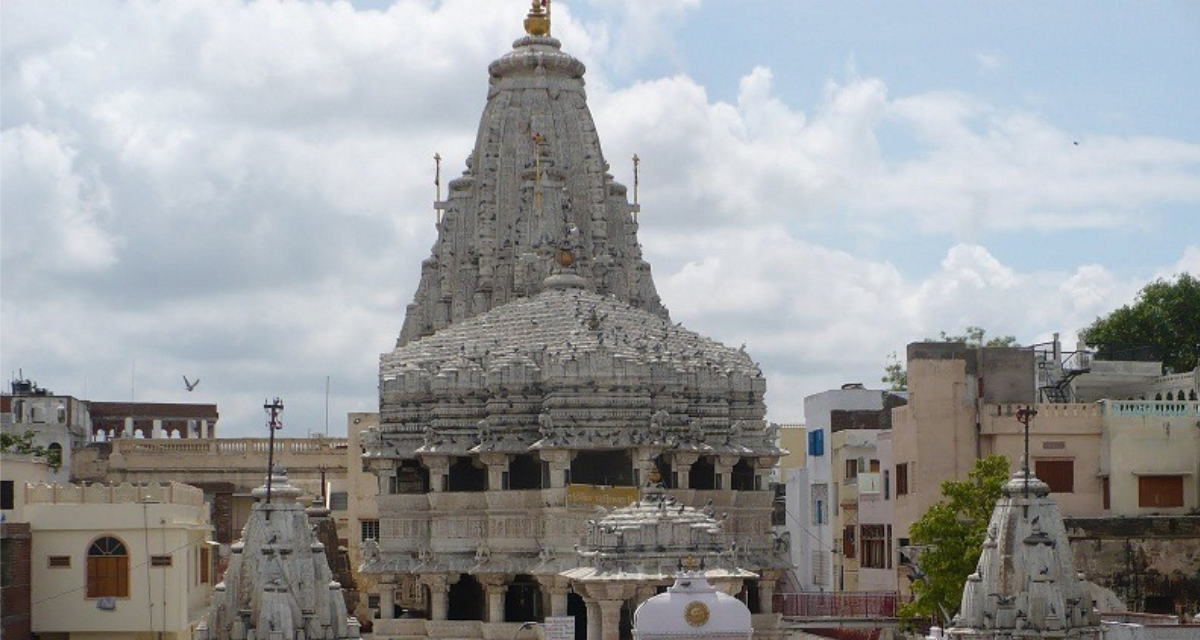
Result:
x=692 y=609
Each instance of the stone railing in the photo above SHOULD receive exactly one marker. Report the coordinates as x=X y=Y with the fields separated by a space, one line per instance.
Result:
x=171 y=492
x=1056 y=410
x=1150 y=408
x=228 y=446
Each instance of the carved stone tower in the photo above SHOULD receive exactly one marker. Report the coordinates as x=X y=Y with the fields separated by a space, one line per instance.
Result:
x=538 y=377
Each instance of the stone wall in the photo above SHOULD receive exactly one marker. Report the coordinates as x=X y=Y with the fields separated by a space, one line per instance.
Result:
x=1152 y=563
x=15 y=594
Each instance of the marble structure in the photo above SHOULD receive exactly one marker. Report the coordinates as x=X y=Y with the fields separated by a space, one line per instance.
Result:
x=692 y=609
x=1025 y=585
x=278 y=585
x=633 y=552
x=538 y=376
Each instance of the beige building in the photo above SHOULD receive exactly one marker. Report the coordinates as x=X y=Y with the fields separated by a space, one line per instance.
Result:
x=361 y=518
x=1100 y=457
x=124 y=561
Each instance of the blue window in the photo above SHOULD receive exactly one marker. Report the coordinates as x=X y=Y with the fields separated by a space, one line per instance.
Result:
x=816 y=442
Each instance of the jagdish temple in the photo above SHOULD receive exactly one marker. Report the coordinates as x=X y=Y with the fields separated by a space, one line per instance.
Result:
x=538 y=387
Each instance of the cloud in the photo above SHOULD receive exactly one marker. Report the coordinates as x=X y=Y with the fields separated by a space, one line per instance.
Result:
x=242 y=192
x=989 y=61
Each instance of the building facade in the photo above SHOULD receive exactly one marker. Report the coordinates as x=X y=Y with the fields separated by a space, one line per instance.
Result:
x=118 y=561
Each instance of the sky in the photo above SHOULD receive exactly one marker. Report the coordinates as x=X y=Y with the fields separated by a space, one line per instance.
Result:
x=242 y=192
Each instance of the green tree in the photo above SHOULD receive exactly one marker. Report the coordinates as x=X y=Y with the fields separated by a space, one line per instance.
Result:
x=896 y=377
x=22 y=444
x=1165 y=315
x=950 y=535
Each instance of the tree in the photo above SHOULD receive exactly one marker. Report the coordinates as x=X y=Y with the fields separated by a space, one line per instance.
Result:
x=950 y=535
x=896 y=376
x=1165 y=315
x=22 y=444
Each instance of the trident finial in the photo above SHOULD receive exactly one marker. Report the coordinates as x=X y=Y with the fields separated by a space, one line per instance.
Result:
x=636 y=163
x=537 y=23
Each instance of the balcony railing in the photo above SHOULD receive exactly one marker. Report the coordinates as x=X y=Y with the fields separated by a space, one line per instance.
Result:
x=848 y=604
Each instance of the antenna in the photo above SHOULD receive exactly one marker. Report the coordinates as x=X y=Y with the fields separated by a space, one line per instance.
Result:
x=273 y=409
x=636 y=179
x=326 y=406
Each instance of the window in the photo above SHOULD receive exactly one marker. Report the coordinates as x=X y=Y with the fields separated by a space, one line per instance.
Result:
x=876 y=546
x=1058 y=474
x=58 y=562
x=902 y=479
x=874 y=466
x=820 y=496
x=7 y=494
x=338 y=500
x=368 y=530
x=1105 y=499
x=1160 y=491
x=887 y=485
x=161 y=561
x=851 y=470
x=205 y=561
x=816 y=442
x=107 y=569
x=848 y=548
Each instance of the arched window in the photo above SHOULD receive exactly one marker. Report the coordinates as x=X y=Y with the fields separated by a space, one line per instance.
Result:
x=107 y=568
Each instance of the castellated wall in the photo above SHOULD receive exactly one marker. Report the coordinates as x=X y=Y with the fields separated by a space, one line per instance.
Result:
x=1152 y=563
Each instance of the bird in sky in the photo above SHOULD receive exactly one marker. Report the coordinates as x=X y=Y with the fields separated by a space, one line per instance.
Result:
x=191 y=386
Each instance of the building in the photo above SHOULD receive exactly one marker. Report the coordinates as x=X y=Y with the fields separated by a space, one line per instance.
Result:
x=1115 y=452
x=822 y=540
x=538 y=376
x=59 y=424
x=118 y=561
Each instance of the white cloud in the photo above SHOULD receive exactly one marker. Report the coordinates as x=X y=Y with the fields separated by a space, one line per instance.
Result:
x=242 y=192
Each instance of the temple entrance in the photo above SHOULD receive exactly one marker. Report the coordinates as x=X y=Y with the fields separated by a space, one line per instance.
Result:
x=524 y=472
x=612 y=468
x=466 y=601
x=523 y=600
x=741 y=478
x=467 y=474
x=703 y=475
x=578 y=610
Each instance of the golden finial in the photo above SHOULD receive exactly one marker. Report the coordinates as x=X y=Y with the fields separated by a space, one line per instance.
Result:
x=537 y=23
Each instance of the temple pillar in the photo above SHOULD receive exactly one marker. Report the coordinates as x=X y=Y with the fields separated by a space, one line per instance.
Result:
x=682 y=464
x=439 y=594
x=610 y=619
x=205 y=431
x=593 y=619
x=387 y=600
x=497 y=464
x=556 y=589
x=127 y=432
x=559 y=462
x=439 y=470
x=494 y=586
x=384 y=470
x=723 y=469
x=156 y=429
x=766 y=591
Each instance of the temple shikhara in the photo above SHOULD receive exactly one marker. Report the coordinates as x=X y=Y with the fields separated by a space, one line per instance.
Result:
x=538 y=386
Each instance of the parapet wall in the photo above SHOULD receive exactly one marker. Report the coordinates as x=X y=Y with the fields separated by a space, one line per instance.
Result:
x=169 y=493
x=1150 y=562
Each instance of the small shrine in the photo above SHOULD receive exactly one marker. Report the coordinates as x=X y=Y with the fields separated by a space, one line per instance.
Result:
x=1025 y=585
x=279 y=585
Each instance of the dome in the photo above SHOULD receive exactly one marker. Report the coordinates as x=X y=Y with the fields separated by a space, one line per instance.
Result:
x=692 y=608
x=539 y=372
